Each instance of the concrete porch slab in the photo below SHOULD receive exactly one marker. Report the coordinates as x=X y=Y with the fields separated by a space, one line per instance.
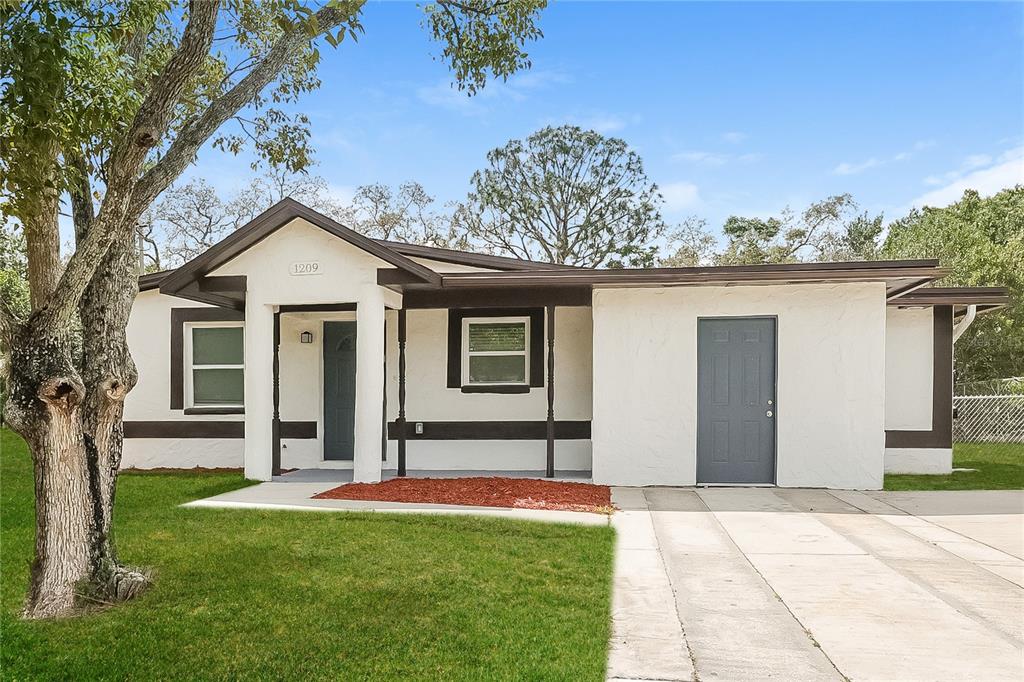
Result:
x=296 y=496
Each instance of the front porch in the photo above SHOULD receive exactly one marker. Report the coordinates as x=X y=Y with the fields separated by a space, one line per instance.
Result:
x=413 y=415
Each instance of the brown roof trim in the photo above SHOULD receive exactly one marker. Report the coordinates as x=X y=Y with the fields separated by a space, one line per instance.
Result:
x=481 y=260
x=986 y=298
x=265 y=224
x=151 y=280
x=904 y=274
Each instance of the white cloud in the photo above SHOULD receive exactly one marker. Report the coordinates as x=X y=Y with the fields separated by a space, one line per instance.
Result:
x=846 y=168
x=1007 y=171
x=713 y=158
x=602 y=123
x=516 y=89
x=680 y=195
x=977 y=160
x=708 y=158
x=734 y=137
x=853 y=168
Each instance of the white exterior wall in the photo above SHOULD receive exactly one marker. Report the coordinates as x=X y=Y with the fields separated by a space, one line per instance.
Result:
x=429 y=399
x=909 y=369
x=909 y=380
x=149 y=338
x=349 y=276
x=830 y=381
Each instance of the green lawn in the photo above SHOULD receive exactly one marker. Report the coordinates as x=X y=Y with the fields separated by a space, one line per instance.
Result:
x=999 y=467
x=289 y=595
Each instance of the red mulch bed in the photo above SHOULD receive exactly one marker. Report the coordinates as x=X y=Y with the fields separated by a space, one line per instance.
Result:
x=522 y=493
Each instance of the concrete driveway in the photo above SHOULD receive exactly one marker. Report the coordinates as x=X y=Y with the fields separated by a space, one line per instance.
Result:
x=786 y=584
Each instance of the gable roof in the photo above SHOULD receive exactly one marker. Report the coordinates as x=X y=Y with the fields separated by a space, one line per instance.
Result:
x=268 y=222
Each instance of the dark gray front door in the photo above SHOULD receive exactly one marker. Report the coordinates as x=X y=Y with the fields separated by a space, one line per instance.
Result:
x=736 y=400
x=339 y=389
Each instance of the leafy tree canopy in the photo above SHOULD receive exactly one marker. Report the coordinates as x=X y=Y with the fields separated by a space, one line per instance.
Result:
x=982 y=241
x=565 y=195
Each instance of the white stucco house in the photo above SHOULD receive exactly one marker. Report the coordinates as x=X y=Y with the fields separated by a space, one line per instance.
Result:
x=298 y=343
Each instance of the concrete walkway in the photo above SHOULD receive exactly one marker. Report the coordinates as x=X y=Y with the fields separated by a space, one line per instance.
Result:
x=767 y=583
x=296 y=495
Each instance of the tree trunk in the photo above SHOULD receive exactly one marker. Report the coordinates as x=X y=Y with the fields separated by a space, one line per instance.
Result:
x=109 y=374
x=44 y=406
x=72 y=424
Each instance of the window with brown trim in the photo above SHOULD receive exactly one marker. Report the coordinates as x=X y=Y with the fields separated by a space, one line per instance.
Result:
x=495 y=350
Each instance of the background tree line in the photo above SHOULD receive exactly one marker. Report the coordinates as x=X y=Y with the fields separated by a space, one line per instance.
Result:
x=573 y=196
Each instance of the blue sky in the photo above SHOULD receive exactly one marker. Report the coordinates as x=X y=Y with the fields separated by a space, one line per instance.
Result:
x=735 y=108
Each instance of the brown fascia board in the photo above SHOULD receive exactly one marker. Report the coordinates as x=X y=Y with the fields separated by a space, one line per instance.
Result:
x=914 y=273
x=265 y=224
x=986 y=298
x=481 y=260
x=151 y=280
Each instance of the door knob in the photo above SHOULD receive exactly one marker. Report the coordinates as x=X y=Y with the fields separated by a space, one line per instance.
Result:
x=768 y=413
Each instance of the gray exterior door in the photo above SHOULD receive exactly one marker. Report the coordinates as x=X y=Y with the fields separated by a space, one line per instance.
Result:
x=736 y=400
x=339 y=390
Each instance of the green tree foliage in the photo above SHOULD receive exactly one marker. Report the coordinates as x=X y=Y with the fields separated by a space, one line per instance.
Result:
x=982 y=241
x=14 y=270
x=565 y=195
x=827 y=230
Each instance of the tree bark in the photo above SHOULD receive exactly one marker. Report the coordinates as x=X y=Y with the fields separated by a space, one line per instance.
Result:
x=44 y=406
x=108 y=373
x=42 y=232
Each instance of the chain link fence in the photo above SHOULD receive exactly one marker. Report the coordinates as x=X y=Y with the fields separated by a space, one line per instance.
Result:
x=992 y=413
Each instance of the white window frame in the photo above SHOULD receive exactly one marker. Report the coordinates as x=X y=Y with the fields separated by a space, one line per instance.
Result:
x=189 y=367
x=466 y=354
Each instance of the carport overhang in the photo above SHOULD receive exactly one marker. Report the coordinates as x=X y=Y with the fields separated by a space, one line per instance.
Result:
x=985 y=299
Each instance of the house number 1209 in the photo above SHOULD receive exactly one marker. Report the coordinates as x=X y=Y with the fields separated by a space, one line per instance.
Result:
x=309 y=267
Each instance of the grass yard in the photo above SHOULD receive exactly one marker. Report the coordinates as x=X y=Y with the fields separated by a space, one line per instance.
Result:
x=999 y=467
x=288 y=595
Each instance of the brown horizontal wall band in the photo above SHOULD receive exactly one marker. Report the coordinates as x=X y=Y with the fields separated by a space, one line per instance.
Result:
x=318 y=308
x=455 y=317
x=519 y=430
x=209 y=429
x=179 y=316
x=519 y=297
x=941 y=434
x=306 y=430
x=504 y=389
x=184 y=429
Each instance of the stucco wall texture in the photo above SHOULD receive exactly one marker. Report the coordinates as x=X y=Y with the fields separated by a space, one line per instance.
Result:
x=830 y=381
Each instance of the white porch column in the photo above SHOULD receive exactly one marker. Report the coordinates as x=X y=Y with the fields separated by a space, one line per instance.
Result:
x=366 y=466
x=259 y=380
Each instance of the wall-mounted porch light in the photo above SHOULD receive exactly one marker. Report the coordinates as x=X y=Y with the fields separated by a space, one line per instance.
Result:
x=306 y=337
